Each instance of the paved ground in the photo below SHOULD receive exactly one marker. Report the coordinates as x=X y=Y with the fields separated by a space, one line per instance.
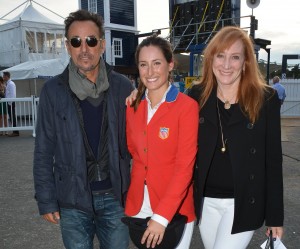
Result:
x=22 y=227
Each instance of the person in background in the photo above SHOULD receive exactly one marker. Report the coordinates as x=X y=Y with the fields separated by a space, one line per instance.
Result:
x=181 y=85
x=10 y=92
x=238 y=175
x=81 y=162
x=3 y=107
x=279 y=88
x=161 y=133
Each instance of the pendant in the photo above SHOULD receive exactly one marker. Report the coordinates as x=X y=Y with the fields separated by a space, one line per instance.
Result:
x=227 y=105
x=223 y=149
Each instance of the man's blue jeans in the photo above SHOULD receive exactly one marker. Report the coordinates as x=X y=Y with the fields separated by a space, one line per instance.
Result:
x=79 y=228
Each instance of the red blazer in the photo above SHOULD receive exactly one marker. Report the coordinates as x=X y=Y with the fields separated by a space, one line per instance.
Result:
x=163 y=154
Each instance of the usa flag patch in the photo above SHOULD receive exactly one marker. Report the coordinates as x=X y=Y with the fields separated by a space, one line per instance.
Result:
x=163 y=132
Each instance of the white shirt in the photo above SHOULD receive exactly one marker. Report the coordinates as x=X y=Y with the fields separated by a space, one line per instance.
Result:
x=151 y=111
x=10 y=89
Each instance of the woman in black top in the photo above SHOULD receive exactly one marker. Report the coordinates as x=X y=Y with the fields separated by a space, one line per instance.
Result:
x=238 y=174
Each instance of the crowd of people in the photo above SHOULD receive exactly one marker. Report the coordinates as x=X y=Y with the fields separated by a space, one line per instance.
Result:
x=105 y=151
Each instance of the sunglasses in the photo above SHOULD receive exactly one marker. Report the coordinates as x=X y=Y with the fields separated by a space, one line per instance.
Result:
x=91 y=41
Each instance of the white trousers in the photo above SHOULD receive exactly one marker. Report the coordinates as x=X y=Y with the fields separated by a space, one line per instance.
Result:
x=216 y=223
x=187 y=236
x=146 y=211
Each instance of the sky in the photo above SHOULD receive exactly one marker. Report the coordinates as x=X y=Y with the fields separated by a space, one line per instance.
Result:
x=278 y=21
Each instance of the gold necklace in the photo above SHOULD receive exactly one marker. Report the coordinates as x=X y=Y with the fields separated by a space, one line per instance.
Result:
x=227 y=104
x=223 y=149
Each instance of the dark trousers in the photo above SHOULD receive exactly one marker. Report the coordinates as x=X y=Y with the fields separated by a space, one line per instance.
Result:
x=12 y=116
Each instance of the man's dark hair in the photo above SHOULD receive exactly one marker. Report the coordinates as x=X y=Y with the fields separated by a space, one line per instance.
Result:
x=84 y=15
x=6 y=74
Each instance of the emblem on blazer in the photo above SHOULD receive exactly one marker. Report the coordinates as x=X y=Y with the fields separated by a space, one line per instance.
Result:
x=163 y=132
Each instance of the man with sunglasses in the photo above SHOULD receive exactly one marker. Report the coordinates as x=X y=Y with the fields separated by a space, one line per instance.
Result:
x=81 y=163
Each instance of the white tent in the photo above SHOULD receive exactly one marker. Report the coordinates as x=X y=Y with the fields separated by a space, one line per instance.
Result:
x=31 y=75
x=37 y=69
x=30 y=36
x=31 y=48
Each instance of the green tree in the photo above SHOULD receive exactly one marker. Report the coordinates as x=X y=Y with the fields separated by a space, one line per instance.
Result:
x=296 y=71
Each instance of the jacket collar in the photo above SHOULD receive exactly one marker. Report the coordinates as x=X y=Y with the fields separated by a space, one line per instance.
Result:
x=171 y=96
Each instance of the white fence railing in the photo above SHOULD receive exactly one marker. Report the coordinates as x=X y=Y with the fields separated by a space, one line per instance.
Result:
x=291 y=105
x=25 y=110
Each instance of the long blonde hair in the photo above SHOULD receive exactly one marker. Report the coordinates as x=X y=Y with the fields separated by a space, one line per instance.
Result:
x=252 y=85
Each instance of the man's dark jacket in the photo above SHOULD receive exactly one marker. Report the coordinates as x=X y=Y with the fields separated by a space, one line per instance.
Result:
x=60 y=172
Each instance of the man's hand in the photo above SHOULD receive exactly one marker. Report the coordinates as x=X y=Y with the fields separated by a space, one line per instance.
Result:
x=52 y=217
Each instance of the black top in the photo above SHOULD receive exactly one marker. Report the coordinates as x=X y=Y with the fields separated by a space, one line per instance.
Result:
x=219 y=183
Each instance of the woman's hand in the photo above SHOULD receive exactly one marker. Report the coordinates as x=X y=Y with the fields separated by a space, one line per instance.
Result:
x=131 y=97
x=277 y=232
x=154 y=234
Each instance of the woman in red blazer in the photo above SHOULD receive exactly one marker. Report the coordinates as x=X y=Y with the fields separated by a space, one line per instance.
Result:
x=162 y=126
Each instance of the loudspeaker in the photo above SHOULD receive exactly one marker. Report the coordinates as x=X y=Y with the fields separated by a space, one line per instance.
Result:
x=253 y=3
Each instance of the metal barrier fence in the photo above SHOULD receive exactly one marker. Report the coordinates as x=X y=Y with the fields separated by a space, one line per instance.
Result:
x=25 y=112
x=291 y=105
x=26 y=108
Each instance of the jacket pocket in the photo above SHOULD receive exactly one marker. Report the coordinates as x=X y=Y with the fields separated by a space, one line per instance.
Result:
x=65 y=185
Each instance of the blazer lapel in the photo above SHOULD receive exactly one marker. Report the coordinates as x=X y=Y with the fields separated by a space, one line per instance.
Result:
x=161 y=112
x=142 y=112
x=163 y=109
x=208 y=113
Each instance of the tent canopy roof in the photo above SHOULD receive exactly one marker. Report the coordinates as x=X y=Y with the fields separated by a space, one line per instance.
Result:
x=37 y=69
x=31 y=14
